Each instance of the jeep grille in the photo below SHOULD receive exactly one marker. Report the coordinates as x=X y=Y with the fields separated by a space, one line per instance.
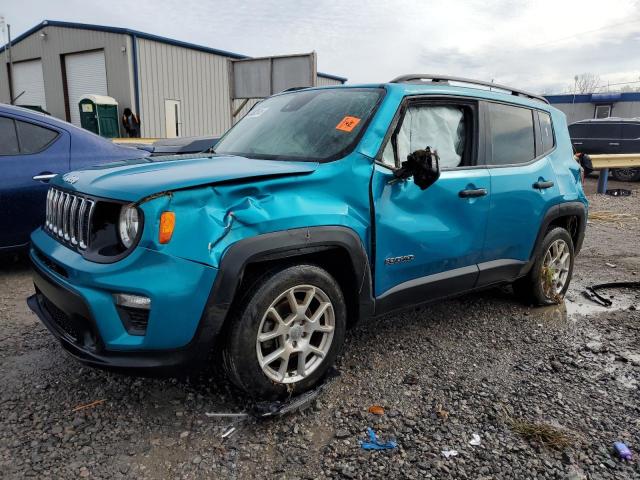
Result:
x=68 y=217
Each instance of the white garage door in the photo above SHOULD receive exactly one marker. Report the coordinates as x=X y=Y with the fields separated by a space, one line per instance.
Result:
x=28 y=78
x=86 y=75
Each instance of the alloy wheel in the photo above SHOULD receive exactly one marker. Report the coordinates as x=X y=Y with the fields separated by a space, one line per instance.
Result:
x=555 y=268
x=295 y=334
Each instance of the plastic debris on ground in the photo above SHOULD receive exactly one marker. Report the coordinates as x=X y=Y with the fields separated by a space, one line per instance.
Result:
x=623 y=451
x=375 y=443
x=475 y=440
x=619 y=192
x=376 y=410
x=449 y=453
x=592 y=292
x=228 y=432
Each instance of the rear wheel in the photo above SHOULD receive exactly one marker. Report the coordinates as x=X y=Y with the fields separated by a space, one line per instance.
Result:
x=626 y=174
x=549 y=278
x=286 y=333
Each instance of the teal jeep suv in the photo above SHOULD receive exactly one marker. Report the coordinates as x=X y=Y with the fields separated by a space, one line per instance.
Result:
x=320 y=207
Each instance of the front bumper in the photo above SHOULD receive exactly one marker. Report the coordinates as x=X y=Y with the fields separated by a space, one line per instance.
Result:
x=74 y=299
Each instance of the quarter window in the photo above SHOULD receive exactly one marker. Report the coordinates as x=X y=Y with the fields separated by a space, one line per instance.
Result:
x=8 y=137
x=34 y=138
x=546 y=132
x=512 y=134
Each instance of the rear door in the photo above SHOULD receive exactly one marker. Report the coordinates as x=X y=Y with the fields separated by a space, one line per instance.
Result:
x=27 y=149
x=523 y=185
x=428 y=242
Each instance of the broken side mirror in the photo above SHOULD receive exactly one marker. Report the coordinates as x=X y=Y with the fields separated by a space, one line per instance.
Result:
x=423 y=166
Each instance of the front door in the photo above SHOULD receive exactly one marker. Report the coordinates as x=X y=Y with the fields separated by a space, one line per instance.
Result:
x=428 y=242
x=173 y=118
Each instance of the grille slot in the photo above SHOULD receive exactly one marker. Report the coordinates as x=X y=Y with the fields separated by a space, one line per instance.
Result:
x=68 y=217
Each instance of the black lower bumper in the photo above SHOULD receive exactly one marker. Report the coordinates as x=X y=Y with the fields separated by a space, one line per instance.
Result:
x=69 y=319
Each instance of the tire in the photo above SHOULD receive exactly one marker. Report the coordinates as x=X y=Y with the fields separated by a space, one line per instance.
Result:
x=255 y=366
x=541 y=286
x=626 y=174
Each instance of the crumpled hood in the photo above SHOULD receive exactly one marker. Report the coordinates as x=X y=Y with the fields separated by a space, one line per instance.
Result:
x=133 y=180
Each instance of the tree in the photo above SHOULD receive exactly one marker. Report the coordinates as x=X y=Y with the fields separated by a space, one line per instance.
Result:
x=586 y=83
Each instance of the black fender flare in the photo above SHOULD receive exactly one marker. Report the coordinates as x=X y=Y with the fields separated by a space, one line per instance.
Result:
x=278 y=245
x=554 y=212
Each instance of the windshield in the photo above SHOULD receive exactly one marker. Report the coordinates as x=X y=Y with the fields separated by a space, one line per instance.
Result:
x=317 y=125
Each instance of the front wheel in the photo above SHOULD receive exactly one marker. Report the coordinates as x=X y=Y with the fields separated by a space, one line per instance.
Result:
x=549 y=278
x=286 y=332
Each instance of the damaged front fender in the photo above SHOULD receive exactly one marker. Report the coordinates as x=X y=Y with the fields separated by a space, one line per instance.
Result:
x=211 y=218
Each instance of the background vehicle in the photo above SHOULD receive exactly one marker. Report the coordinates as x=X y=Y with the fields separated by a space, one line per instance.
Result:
x=609 y=136
x=34 y=148
x=320 y=207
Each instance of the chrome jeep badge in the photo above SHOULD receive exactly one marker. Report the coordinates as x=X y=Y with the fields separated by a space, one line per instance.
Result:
x=70 y=178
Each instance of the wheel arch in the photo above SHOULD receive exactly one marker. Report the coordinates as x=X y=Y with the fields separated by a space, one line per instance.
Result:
x=572 y=216
x=316 y=245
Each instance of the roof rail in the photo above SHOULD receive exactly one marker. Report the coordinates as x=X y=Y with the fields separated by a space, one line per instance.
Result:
x=426 y=77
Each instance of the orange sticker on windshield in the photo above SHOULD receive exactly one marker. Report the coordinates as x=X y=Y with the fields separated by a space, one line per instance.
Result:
x=348 y=123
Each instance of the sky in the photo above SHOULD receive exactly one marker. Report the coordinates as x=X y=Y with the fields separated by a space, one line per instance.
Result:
x=535 y=45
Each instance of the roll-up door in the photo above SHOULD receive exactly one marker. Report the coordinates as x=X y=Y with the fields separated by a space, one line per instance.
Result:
x=86 y=74
x=27 y=77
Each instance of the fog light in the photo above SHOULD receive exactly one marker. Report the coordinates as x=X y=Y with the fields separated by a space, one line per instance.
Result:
x=132 y=301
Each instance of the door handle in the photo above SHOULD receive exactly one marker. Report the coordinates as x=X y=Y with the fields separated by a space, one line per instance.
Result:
x=44 y=177
x=614 y=144
x=472 y=193
x=542 y=185
x=577 y=143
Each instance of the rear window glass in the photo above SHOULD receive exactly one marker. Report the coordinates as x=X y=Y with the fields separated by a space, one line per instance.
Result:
x=630 y=131
x=8 y=137
x=512 y=134
x=34 y=138
x=546 y=132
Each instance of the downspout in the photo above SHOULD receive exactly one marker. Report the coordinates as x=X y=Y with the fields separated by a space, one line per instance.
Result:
x=134 y=53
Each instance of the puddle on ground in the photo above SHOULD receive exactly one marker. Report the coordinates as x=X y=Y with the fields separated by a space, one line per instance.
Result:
x=623 y=298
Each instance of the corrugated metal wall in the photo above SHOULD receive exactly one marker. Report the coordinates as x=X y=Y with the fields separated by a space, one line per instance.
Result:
x=59 y=41
x=199 y=80
x=321 y=82
x=327 y=82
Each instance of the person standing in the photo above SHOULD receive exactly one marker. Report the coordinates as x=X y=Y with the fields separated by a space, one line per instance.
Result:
x=131 y=123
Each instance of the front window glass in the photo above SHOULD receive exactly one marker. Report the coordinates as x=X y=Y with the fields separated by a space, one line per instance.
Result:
x=315 y=125
x=440 y=127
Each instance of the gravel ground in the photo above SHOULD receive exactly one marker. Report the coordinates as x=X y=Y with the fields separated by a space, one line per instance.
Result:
x=482 y=364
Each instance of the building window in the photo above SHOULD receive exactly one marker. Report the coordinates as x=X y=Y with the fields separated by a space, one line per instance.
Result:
x=602 y=111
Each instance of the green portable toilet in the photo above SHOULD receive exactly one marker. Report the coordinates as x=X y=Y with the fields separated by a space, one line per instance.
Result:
x=99 y=114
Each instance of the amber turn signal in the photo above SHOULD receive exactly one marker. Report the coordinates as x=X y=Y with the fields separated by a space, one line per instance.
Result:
x=167 y=224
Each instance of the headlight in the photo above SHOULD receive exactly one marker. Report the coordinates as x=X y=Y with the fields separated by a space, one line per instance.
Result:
x=128 y=225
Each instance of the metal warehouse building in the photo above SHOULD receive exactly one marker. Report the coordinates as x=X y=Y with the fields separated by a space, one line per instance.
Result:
x=167 y=82
x=597 y=105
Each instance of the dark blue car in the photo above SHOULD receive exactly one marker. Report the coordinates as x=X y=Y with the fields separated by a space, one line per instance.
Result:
x=33 y=149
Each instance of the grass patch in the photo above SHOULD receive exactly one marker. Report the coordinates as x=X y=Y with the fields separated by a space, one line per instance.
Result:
x=541 y=432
